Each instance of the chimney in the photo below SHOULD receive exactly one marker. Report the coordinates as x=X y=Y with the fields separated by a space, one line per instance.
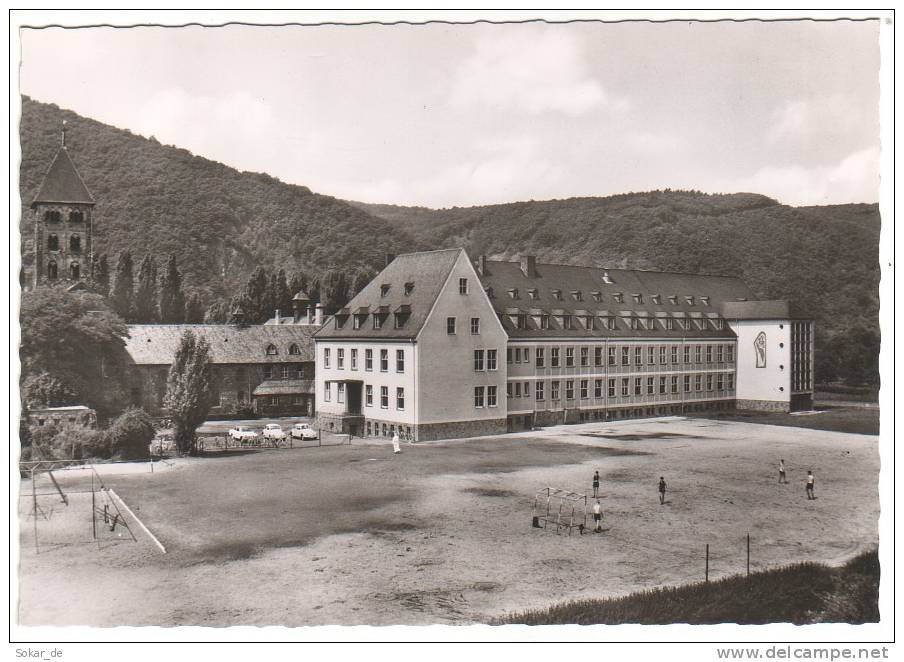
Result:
x=310 y=314
x=389 y=258
x=296 y=311
x=529 y=265
x=318 y=315
x=278 y=318
x=482 y=265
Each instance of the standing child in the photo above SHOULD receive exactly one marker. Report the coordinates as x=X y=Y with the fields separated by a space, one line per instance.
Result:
x=596 y=484
x=661 y=490
x=781 y=472
x=811 y=482
x=395 y=443
x=597 y=517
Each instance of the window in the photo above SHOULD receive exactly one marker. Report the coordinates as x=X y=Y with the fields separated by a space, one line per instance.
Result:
x=299 y=371
x=241 y=397
x=409 y=288
x=274 y=400
x=544 y=321
x=368 y=396
x=687 y=353
x=353 y=359
x=508 y=390
x=651 y=355
x=651 y=388
x=327 y=392
x=517 y=389
x=491 y=395
x=532 y=293
x=638 y=355
x=669 y=324
x=709 y=353
x=491 y=359
x=675 y=384
x=52 y=216
x=638 y=389
x=612 y=353
x=450 y=326
x=513 y=293
x=709 y=382
x=718 y=323
x=378 y=321
x=462 y=285
x=53 y=242
x=611 y=388
x=384 y=360
x=569 y=390
x=400 y=398
x=384 y=289
x=541 y=357
x=400 y=360
x=356 y=321
x=293 y=350
x=674 y=355
x=610 y=323
x=268 y=371
x=384 y=397
x=285 y=372
x=368 y=359
x=720 y=353
x=508 y=355
x=340 y=396
x=662 y=385
x=585 y=387
x=326 y=356
x=556 y=294
x=569 y=357
x=729 y=378
x=720 y=384
x=555 y=390
x=729 y=353
x=585 y=357
x=340 y=359
x=697 y=353
x=74 y=270
x=478 y=359
x=687 y=383
x=75 y=217
x=540 y=395
x=662 y=351
x=567 y=322
x=698 y=383
x=272 y=351
x=478 y=396
x=626 y=356
x=597 y=356
x=624 y=386
x=475 y=326
x=597 y=388
x=554 y=357
x=704 y=301
x=75 y=243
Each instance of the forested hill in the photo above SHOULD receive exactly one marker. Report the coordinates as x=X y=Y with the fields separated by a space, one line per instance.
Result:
x=219 y=222
x=826 y=258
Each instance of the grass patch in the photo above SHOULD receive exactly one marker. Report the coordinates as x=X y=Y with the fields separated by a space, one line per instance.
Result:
x=802 y=593
x=857 y=420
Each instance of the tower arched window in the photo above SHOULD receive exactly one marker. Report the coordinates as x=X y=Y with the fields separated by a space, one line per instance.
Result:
x=74 y=271
x=293 y=350
x=52 y=270
x=76 y=217
x=271 y=350
x=53 y=242
x=75 y=243
x=51 y=216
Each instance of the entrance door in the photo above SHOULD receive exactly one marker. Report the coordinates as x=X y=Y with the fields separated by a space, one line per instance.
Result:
x=353 y=392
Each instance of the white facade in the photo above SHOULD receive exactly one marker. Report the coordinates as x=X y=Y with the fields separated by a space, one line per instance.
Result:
x=764 y=362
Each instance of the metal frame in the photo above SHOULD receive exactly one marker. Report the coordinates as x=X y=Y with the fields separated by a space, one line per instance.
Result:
x=571 y=512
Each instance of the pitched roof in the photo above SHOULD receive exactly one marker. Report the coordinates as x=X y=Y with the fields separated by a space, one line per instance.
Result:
x=156 y=344
x=612 y=290
x=284 y=387
x=62 y=183
x=427 y=272
x=761 y=310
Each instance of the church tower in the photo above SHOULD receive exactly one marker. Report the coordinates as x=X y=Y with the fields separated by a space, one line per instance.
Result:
x=63 y=225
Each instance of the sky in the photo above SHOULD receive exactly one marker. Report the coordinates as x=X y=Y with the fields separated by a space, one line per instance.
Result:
x=457 y=115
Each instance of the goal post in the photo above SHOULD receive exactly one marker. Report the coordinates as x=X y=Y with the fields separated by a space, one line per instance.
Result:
x=560 y=509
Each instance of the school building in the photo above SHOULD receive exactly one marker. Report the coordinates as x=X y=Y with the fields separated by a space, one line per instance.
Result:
x=440 y=346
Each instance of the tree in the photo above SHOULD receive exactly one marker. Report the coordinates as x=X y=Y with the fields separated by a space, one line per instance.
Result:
x=254 y=296
x=87 y=357
x=334 y=293
x=362 y=278
x=217 y=313
x=42 y=389
x=100 y=274
x=130 y=435
x=282 y=295
x=299 y=283
x=145 y=306
x=172 y=298
x=187 y=398
x=123 y=285
x=194 y=309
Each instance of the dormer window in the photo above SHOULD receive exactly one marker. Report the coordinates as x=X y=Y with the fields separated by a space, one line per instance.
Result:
x=588 y=322
x=356 y=323
x=607 y=279
x=521 y=321
x=619 y=297
x=513 y=293
x=409 y=288
x=294 y=350
x=610 y=323
x=704 y=301
x=718 y=323
x=669 y=324
x=384 y=289
x=634 y=323
x=271 y=350
x=567 y=322
x=533 y=293
x=673 y=299
x=689 y=299
x=576 y=295
x=656 y=298
x=378 y=321
x=489 y=292
x=597 y=296
x=638 y=298
x=544 y=321
x=557 y=295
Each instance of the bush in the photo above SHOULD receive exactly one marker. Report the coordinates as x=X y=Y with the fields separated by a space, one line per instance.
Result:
x=70 y=441
x=130 y=435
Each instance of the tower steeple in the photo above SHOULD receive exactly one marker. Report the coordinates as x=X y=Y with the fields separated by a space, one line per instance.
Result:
x=63 y=225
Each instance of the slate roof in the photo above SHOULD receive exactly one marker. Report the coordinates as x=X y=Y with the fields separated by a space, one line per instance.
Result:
x=762 y=310
x=501 y=278
x=284 y=387
x=427 y=272
x=156 y=344
x=62 y=183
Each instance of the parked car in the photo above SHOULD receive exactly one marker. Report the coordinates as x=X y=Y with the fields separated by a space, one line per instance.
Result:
x=243 y=434
x=303 y=431
x=274 y=432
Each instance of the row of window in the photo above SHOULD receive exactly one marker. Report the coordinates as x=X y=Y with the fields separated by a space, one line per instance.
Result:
x=75 y=243
x=273 y=350
x=368 y=395
x=53 y=272
x=485 y=396
x=368 y=359
x=283 y=371
x=636 y=322
x=452 y=326
x=625 y=355
x=533 y=293
x=624 y=387
x=56 y=217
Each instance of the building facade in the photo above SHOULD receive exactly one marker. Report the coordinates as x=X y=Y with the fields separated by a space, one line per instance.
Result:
x=499 y=345
x=62 y=210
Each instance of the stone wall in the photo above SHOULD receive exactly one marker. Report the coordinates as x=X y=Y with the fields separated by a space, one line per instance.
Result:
x=764 y=405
